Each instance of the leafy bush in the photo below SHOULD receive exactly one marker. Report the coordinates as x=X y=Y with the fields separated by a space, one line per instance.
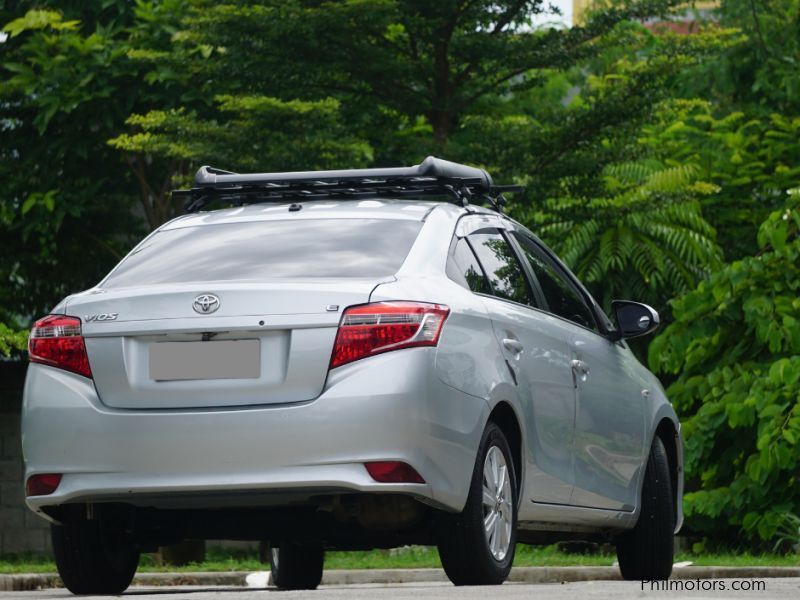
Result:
x=11 y=340
x=735 y=351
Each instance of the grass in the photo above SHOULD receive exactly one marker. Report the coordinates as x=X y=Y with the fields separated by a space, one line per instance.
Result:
x=417 y=557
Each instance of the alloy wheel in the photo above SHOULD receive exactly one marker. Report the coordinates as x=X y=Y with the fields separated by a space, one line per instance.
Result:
x=498 y=516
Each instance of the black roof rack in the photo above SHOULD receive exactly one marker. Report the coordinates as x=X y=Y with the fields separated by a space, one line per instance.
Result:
x=433 y=177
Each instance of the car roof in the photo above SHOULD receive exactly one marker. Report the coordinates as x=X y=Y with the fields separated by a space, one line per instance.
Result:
x=374 y=208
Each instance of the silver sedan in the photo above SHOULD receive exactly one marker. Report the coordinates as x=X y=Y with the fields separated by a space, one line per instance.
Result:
x=332 y=372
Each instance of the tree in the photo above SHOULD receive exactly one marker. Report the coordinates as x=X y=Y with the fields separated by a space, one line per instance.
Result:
x=66 y=86
x=750 y=160
x=409 y=59
x=760 y=76
x=739 y=119
x=250 y=133
x=385 y=80
x=361 y=56
x=628 y=219
x=73 y=203
x=734 y=351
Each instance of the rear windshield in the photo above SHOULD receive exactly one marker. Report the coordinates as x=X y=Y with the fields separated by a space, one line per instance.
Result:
x=259 y=250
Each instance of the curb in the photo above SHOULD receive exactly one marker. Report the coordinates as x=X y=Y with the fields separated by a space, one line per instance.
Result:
x=27 y=582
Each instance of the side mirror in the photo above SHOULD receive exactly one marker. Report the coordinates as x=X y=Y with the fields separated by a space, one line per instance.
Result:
x=634 y=319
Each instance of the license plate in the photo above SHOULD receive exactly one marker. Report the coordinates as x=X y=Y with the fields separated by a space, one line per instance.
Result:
x=225 y=359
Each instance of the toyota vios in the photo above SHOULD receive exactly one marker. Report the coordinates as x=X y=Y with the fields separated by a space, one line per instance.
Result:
x=346 y=360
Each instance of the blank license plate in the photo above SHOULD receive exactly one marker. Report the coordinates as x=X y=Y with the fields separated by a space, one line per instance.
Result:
x=228 y=359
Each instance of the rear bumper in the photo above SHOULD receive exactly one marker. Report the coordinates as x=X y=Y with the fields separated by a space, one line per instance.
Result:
x=388 y=407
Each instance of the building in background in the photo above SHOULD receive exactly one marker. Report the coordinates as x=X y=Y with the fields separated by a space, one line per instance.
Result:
x=679 y=23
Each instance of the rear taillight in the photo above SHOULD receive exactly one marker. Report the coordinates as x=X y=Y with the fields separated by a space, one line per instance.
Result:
x=383 y=326
x=56 y=340
x=43 y=484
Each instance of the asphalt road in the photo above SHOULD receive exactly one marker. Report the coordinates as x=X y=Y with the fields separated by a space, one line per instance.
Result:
x=590 y=590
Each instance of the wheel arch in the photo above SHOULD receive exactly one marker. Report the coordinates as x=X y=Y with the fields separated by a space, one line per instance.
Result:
x=504 y=416
x=669 y=434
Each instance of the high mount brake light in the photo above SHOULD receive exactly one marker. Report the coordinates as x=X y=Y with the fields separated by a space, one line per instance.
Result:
x=56 y=340
x=383 y=326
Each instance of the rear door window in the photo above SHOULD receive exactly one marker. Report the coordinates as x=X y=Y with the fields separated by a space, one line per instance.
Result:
x=258 y=250
x=501 y=266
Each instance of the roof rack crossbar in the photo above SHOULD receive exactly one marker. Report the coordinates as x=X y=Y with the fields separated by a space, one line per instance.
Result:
x=433 y=177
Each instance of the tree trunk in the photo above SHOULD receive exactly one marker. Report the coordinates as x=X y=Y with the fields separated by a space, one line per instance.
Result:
x=440 y=117
x=155 y=190
x=441 y=122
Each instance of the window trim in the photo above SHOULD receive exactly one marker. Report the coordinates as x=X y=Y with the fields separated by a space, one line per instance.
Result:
x=455 y=241
x=533 y=281
x=474 y=222
x=451 y=253
x=590 y=303
x=503 y=233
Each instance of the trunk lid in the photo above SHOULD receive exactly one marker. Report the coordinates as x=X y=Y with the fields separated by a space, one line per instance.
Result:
x=289 y=325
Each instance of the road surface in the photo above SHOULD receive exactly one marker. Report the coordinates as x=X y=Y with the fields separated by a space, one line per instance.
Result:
x=585 y=590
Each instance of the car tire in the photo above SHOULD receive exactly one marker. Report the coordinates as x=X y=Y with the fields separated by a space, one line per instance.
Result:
x=646 y=552
x=92 y=560
x=470 y=554
x=295 y=567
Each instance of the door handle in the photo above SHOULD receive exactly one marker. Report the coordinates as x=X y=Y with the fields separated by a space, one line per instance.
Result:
x=512 y=345
x=580 y=371
x=579 y=366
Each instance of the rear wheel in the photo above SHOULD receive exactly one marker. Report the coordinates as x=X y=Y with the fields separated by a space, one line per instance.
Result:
x=646 y=551
x=295 y=567
x=477 y=545
x=93 y=559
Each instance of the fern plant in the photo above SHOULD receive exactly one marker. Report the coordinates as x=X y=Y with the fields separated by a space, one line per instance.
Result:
x=643 y=238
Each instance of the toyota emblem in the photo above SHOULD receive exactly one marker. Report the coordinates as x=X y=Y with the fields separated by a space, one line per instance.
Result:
x=205 y=304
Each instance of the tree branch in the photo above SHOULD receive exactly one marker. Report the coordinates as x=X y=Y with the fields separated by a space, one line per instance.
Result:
x=508 y=16
x=145 y=192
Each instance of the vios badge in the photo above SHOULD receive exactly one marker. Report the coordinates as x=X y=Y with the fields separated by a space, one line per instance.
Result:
x=102 y=317
x=205 y=304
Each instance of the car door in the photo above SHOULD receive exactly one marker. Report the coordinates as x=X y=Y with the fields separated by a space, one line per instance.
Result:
x=536 y=355
x=608 y=443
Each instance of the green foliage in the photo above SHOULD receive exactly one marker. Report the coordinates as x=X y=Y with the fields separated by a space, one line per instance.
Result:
x=624 y=216
x=389 y=61
x=39 y=19
x=735 y=352
x=177 y=83
x=759 y=77
x=560 y=146
x=63 y=68
x=646 y=239
x=66 y=86
x=788 y=532
x=12 y=341
x=249 y=133
x=750 y=160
